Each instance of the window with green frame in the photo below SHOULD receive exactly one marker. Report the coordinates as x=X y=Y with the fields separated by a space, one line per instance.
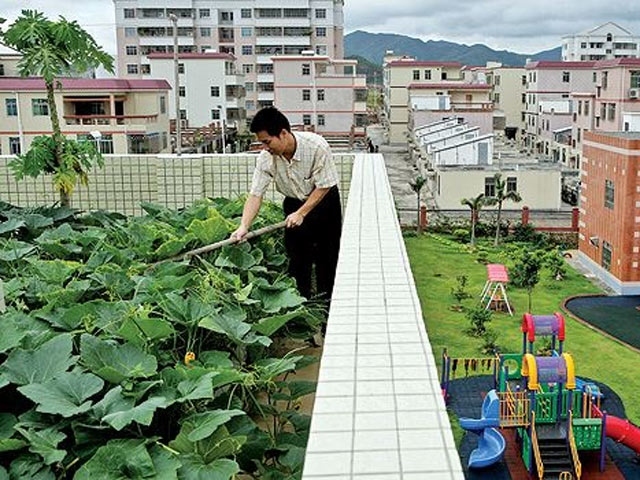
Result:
x=609 y=193
x=606 y=256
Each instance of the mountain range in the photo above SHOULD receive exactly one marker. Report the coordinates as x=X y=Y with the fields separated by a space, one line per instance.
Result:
x=372 y=47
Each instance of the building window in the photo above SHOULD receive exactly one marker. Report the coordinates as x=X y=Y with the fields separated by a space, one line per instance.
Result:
x=606 y=255
x=611 y=111
x=130 y=32
x=321 y=122
x=496 y=98
x=145 y=69
x=12 y=107
x=586 y=107
x=321 y=95
x=182 y=91
x=321 y=13
x=215 y=91
x=131 y=50
x=132 y=69
x=204 y=13
x=566 y=77
x=245 y=13
x=635 y=79
x=247 y=49
x=322 y=50
x=226 y=17
x=39 y=107
x=427 y=74
x=246 y=31
x=248 y=86
x=163 y=104
x=609 y=193
x=306 y=95
x=250 y=105
x=129 y=13
x=605 y=80
x=321 y=31
x=181 y=68
x=183 y=114
x=306 y=69
x=14 y=146
x=247 y=68
x=489 y=187
x=512 y=184
x=306 y=119
x=205 y=31
x=215 y=114
x=416 y=74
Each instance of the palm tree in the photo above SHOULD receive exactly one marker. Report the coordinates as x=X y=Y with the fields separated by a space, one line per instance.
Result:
x=54 y=49
x=501 y=195
x=416 y=186
x=475 y=204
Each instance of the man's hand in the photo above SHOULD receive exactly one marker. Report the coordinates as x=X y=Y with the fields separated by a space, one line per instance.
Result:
x=294 y=219
x=240 y=233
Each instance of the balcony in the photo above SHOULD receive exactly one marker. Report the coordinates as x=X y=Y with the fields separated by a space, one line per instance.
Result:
x=101 y=120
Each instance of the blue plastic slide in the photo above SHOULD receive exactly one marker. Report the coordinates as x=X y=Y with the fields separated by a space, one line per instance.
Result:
x=491 y=443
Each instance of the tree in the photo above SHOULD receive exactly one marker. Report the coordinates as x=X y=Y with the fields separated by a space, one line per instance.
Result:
x=526 y=271
x=416 y=186
x=501 y=195
x=51 y=50
x=475 y=204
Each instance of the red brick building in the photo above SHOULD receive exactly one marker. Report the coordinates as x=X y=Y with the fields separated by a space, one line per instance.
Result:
x=609 y=241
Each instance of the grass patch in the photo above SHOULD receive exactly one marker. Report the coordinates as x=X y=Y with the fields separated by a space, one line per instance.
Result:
x=437 y=261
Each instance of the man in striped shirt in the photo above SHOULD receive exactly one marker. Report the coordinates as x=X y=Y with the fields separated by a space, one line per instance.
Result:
x=302 y=167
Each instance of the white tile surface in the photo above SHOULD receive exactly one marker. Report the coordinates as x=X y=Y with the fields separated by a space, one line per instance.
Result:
x=379 y=412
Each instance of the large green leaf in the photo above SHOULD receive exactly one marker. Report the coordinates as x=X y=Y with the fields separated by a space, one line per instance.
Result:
x=194 y=468
x=67 y=395
x=220 y=444
x=8 y=444
x=45 y=363
x=4 y=475
x=53 y=271
x=236 y=256
x=45 y=443
x=12 y=334
x=237 y=331
x=123 y=459
x=30 y=466
x=277 y=296
x=211 y=230
x=11 y=250
x=270 y=325
x=115 y=362
x=11 y=225
x=141 y=414
x=208 y=422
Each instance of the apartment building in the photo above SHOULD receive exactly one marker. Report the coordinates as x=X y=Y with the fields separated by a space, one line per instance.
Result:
x=609 y=238
x=469 y=102
x=253 y=31
x=210 y=89
x=549 y=107
x=123 y=116
x=606 y=41
x=320 y=92
x=399 y=73
x=9 y=59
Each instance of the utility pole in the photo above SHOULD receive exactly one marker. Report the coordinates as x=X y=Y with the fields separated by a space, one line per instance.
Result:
x=176 y=81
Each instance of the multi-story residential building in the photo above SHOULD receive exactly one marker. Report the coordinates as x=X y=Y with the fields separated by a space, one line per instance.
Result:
x=606 y=41
x=252 y=30
x=508 y=95
x=548 y=105
x=210 y=90
x=124 y=116
x=470 y=102
x=9 y=59
x=609 y=238
x=617 y=92
x=398 y=75
x=315 y=90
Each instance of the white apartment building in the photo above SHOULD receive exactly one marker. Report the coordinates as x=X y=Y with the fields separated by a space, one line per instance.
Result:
x=123 y=116
x=508 y=95
x=399 y=74
x=210 y=89
x=317 y=91
x=251 y=30
x=606 y=41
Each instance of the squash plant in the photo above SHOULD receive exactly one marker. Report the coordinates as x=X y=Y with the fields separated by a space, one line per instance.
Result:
x=114 y=368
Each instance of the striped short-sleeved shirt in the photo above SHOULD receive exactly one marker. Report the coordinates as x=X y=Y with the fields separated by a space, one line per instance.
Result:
x=312 y=166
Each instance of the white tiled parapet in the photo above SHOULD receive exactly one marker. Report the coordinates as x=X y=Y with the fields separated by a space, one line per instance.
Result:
x=379 y=412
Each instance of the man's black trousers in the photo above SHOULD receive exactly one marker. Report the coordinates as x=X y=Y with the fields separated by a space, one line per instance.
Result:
x=315 y=242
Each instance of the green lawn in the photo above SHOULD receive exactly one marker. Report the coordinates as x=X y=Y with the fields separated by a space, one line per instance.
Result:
x=436 y=262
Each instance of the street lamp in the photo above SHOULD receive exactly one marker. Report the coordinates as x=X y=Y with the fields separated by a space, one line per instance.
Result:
x=176 y=81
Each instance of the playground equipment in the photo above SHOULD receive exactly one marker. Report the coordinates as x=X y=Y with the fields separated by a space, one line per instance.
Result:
x=494 y=293
x=554 y=413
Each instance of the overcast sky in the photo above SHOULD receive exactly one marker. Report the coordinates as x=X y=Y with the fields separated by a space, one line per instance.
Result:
x=518 y=26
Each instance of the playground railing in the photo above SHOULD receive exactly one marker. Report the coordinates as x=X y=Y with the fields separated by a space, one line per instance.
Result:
x=577 y=465
x=514 y=408
x=536 y=447
x=546 y=406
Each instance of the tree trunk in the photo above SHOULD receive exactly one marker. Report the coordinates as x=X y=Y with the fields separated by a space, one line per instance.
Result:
x=473 y=228
x=418 y=225
x=65 y=200
x=497 y=240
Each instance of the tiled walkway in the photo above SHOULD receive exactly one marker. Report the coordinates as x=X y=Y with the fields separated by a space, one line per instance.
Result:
x=378 y=412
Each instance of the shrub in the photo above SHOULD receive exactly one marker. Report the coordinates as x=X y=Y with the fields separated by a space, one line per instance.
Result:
x=478 y=317
x=461 y=235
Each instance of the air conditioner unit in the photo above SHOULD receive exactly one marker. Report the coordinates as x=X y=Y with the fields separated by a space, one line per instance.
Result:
x=634 y=93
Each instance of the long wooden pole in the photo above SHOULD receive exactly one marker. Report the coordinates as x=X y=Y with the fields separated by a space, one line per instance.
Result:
x=222 y=243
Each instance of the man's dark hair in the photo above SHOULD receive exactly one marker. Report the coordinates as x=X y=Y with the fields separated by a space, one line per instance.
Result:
x=270 y=120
